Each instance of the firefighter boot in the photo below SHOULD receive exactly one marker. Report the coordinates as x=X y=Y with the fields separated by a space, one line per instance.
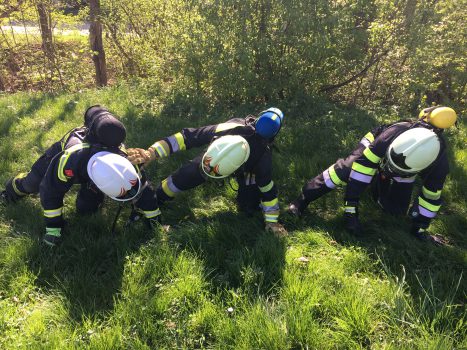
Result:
x=298 y=206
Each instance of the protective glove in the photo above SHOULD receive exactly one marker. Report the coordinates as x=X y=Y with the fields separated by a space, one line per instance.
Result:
x=423 y=235
x=9 y=195
x=352 y=224
x=277 y=229
x=53 y=236
x=139 y=155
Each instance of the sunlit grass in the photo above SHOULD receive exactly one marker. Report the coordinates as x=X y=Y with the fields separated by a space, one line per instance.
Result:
x=217 y=280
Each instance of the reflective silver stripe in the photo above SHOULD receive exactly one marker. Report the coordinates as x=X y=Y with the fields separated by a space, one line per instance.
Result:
x=407 y=180
x=53 y=212
x=171 y=185
x=327 y=179
x=250 y=179
x=360 y=177
x=173 y=143
x=267 y=209
x=426 y=212
x=151 y=214
x=365 y=142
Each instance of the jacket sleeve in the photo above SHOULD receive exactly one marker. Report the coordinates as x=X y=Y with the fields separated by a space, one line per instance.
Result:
x=365 y=166
x=189 y=138
x=58 y=180
x=428 y=202
x=269 y=200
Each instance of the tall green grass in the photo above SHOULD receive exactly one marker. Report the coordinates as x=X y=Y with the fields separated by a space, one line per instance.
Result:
x=217 y=280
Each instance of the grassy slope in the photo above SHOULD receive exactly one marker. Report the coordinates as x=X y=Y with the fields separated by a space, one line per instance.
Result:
x=155 y=290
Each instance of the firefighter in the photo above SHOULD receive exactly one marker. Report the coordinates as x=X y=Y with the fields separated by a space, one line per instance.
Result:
x=93 y=156
x=390 y=157
x=256 y=187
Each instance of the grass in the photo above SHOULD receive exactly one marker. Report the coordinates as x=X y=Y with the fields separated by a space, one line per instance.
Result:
x=216 y=280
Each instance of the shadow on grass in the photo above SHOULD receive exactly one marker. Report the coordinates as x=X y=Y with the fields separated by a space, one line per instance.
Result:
x=236 y=250
x=33 y=105
x=87 y=268
x=428 y=268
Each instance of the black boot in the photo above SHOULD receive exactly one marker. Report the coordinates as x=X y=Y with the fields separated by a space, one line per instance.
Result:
x=298 y=206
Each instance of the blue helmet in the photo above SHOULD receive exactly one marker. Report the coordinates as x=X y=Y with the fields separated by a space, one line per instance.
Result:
x=269 y=122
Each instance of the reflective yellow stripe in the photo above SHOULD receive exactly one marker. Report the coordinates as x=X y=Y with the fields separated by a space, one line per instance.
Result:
x=226 y=126
x=53 y=213
x=159 y=149
x=271 y=217
x=271 y=203
x=13 y=183
x=369 y=136
x=430 y=194
x=371 y=156
x=152 y=213
x=363 y=169
x=64 y=159
x=427 y=205
x=267 y=188
x=65 y=139
x=166 y=189
x=180 y=140
x=333 y=175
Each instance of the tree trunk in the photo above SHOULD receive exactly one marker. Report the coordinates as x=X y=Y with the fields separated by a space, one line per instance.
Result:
x=45 y=24
x=95 y=41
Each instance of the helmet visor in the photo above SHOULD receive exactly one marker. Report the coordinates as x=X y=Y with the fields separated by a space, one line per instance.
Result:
x=389 y=170
x=131 y=193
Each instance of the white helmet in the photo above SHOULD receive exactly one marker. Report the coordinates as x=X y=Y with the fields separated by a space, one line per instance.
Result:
x=114 y=175
x=413 y=151
x=225 y=155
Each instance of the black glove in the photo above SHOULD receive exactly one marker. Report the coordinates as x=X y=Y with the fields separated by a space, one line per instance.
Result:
x=352 y=224
x=9 y=195
x=423 y=235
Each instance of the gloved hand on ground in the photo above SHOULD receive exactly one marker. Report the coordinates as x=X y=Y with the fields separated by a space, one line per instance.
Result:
x=277 y=229
x=423 y=235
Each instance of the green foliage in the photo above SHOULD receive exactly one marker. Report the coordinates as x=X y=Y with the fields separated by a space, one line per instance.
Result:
x=398 y=54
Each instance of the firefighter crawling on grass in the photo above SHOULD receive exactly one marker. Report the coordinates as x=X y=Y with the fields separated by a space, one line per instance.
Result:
x=238 y=147
x=389 y=158
x=93 y=156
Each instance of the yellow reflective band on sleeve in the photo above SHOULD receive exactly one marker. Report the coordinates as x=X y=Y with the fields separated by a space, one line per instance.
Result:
x=15 y=188
x=226 y=126
x=159 y=148
x=363 y=169
x=53 y=213
x=180 y=140
x=166 y=189
x=369 y=136
x=267 y=188
x=64 y=159
x=271 y=217
x=271 y=203
x=429 y=206
x=332 y=173
x=152 y=214
x=430 y=194
x=371 y=156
